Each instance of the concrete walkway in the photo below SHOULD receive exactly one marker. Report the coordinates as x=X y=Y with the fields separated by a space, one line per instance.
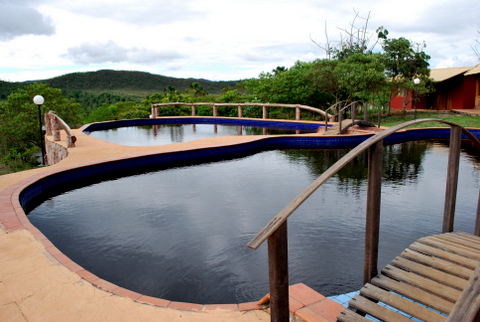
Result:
x=38 y=283
x=35 y=286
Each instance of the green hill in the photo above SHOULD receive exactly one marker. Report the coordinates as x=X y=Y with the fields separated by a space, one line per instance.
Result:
x=6 y=88
x=132 y=83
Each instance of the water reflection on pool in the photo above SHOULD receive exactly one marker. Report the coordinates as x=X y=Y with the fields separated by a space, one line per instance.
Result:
x=177 y=133
x=180 y=234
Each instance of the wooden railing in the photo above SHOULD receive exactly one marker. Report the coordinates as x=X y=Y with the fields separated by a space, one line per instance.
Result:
x=53 y=123
x=338 y=112
x=276 y=230
x=264 y=106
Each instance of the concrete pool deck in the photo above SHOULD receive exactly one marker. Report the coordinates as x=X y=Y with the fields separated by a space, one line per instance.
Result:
x=39 y=283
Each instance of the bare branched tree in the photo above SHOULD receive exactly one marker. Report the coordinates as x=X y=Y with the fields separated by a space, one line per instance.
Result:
x=474 y=47
x=326 y=47
x=356 y=38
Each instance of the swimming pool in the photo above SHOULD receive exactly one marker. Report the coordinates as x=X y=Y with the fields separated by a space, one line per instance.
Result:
x=176 y=130
x=116 y=234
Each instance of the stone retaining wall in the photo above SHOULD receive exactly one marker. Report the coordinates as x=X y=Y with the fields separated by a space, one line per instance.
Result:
x=54 y=152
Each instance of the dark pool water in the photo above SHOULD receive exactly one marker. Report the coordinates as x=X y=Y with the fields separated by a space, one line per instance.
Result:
x=180 y=234
x=177 y=133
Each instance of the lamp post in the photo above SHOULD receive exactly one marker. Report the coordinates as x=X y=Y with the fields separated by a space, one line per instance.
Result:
x=416 y=81
x=39 y=100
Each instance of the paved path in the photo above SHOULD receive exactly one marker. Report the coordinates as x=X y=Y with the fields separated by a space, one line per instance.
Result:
x=34 y=286
x=38 y=283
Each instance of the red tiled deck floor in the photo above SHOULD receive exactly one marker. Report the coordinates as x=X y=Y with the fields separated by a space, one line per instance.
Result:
x=312 y=306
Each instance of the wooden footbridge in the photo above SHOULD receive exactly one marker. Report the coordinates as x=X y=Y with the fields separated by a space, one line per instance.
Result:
x=437 y=278
x=434 y=279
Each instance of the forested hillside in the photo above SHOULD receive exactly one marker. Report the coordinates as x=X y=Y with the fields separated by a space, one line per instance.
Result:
x=6 y=88
x=129 y=83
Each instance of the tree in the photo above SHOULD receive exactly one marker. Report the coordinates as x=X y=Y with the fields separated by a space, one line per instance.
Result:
x=296 y=85
x=405 y=61
x=475 y=49
x=361 y=76
x=19 y=119
x=358 y=73
x=195 y=89
x=356 y=39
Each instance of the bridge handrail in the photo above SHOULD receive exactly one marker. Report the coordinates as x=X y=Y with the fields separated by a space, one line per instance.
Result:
x=297 y=201
x=240 y=105
x=276 y=229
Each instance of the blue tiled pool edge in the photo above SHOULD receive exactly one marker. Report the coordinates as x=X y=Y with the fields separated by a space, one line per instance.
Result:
x=106 y=170
x=305 y=126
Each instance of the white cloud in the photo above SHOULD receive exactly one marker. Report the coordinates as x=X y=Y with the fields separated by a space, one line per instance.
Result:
x=110 y=52
x=213 y=39
x=17 y=20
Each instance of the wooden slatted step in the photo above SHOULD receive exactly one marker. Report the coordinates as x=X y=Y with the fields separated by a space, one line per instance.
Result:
x=430 y=272
x=413 y=293
x=443 y=254
x=425 y=282
x=439 y=263
x=401 y=303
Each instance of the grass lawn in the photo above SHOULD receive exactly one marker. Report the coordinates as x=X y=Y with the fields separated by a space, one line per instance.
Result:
x=463 y=120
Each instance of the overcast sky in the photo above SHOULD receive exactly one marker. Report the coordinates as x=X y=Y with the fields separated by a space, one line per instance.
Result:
x=214 y=39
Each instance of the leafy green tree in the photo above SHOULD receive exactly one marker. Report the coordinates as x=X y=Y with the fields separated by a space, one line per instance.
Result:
x=405 y=61
x=102 y=113
x=322 y=75
x=292 y=86
x=195 y=89
x=118 y=111
x=230 y=96
x=19 y=124
x=361 y=76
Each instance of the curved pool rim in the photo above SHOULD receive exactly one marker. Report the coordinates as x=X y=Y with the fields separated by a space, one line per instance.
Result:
x=281 y=124
x=26 y=194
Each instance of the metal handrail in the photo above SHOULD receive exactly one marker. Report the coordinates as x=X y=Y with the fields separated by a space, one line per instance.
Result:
x=276 y=229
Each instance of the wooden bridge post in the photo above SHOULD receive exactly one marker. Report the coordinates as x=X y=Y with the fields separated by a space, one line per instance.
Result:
x=193 y=110
x=154 y=111
x=340 y=118
x=240 y=111
x=297 y=113
x=452 y=178
x=477 y=221
x=264 y=112
x=215 y=110
x=278 y=274
x=372 y=227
